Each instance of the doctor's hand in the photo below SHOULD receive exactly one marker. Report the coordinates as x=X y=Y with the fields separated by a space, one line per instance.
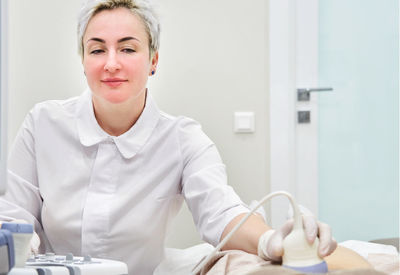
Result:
x=270 y=244
x=35 y=241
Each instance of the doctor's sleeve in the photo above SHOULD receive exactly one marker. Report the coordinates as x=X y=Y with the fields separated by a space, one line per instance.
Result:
x=212 y=202
x=22 y=199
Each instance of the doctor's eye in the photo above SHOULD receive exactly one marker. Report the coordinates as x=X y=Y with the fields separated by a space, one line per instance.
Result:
x=97 y=52
x=128 y=50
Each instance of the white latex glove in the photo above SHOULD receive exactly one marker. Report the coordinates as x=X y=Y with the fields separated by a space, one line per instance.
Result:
x=35 y=241
x=270 y=244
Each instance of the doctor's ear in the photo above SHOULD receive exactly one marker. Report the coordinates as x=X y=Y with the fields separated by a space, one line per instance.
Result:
x=154 y=63
x=154 y=60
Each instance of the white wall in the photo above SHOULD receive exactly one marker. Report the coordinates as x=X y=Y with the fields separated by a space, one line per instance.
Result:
x=43 y=59
x=213 y=62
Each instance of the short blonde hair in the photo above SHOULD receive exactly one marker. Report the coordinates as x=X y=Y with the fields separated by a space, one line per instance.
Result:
x=141 y=8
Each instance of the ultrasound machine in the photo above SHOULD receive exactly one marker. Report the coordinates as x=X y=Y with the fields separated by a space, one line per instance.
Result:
x=10 y=237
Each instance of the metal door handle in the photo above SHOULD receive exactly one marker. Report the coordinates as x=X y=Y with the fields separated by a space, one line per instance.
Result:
x=303 y=94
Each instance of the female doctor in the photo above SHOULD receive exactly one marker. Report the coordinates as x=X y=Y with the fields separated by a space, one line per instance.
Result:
x=104 y=173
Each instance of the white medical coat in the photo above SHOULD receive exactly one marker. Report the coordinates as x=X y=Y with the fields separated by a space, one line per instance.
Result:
x=113 y=197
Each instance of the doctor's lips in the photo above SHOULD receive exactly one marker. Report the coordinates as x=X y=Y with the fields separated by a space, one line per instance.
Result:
x=113 y=82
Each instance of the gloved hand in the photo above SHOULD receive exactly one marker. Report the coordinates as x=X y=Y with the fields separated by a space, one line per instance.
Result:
x=35 y=241
x=270 y=244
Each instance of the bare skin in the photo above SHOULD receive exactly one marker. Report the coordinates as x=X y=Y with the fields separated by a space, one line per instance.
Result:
x=344 y=258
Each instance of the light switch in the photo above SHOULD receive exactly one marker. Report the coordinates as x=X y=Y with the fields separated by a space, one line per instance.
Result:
x=244 y=122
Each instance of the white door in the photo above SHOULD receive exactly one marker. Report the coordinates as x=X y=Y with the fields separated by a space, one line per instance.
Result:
x=344 y=163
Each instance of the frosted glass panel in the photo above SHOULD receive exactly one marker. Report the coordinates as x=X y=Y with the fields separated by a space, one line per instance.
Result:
x=359 y=121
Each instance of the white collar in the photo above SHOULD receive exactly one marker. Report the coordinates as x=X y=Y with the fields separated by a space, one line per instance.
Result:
x=129 y=143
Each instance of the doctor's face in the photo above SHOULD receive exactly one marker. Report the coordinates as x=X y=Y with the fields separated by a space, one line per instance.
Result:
x=116 y=56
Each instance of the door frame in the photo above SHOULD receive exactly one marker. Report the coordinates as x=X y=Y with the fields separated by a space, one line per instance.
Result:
x=293 y=63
